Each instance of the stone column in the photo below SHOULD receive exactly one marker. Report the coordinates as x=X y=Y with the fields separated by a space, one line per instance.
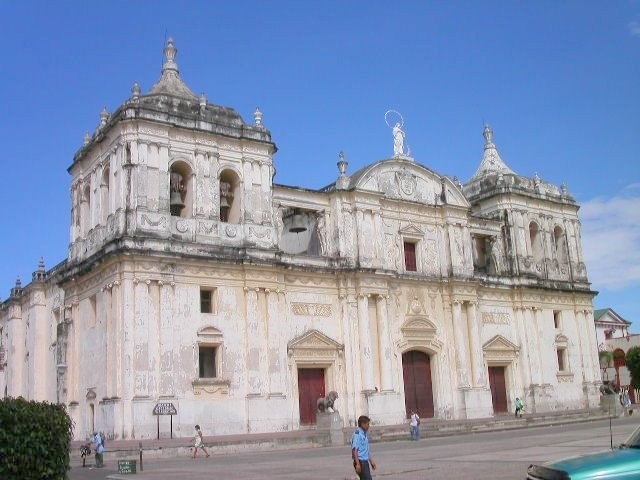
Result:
x=163 y=179
x=16 y=332
x=477 y=355
x=109 y=340
x=532 y=336
x=544 y=349
x=126 y=375
x=359 y=233
x=166 y=386
x=379 y=240
x=364 y=332
x=276 y=359
x=525 y=368
x=76 y=328
x=592 y=345
x=141 y=338
x=467 y=251
x=201 y=195
x=351 y=362
x=142 y=174
x=117 y=335
x=40 y=352
x=134 y=173
x=154 y=339
x=254 y=382
x=460 y=344
x=213 y=185
x=384 y=344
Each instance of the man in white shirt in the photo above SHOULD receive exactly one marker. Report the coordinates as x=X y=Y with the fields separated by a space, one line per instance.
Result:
x=414 y=426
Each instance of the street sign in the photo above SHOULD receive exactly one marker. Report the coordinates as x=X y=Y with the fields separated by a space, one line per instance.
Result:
x=164 y=409
x=126 y=467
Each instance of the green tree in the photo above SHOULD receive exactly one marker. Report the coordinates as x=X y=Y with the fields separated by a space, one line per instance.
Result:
x=34 y=440
x=606 y=359
x=632 y=360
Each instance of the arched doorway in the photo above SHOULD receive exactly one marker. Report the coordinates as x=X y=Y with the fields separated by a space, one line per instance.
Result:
x=418 y=391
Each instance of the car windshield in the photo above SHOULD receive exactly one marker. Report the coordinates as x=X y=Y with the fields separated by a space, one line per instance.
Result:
x=634 y=440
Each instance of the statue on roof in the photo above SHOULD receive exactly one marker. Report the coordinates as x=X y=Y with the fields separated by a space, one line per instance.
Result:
x=398 y=140
x=398 y=134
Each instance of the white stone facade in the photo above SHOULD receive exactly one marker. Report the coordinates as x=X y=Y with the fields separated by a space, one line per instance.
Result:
x=219 y=291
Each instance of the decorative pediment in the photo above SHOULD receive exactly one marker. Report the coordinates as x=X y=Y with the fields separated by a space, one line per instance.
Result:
x=418 y=332
x=404 y=179
x=411 y=230
x=561 y=340
x=500 y=349
x=500 y=343
x=314 y=346
x=419 y=326
x=209 y=334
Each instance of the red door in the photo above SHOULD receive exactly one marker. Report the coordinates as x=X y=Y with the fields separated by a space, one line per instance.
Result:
x=418 y=394
x=310 y=388
x=498 y=389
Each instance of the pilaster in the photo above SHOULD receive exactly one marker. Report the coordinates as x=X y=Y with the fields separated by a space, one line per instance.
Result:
x=460 y=344
x=364 y=331
x=477 y=355
x=385 y=352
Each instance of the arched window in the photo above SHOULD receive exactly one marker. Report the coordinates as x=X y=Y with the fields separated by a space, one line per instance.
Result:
x=559 y=244
x=85 y=206
x=180 y=190
x=229 y=197
x=105 y=205
x=536 y=241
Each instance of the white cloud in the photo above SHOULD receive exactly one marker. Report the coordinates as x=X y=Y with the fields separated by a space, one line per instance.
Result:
x=634 y=28
x=611 y=240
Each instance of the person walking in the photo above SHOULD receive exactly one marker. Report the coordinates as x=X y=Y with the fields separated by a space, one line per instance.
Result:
x=362 y=460
x=198 y=443
x=519 y=407
x=414 y=425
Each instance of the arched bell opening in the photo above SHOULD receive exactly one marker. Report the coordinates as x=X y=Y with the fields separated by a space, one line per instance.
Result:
x=230 y=198
x=535 y=241
x=180 y=190
x=560 y=244
x=105 y=207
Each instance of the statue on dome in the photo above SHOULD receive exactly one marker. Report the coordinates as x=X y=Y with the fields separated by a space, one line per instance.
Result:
x=398 y=134
x=398 y=140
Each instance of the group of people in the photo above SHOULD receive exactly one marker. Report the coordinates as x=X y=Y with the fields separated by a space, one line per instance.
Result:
x=97 y=442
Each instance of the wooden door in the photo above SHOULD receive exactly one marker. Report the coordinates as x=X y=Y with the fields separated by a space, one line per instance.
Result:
x=498 y=389
x=310 y=388
x=418 y=392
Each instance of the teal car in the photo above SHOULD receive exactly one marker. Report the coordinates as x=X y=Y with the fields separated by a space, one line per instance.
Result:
x=620 y=463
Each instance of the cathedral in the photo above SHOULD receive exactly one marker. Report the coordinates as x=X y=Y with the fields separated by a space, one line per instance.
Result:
x=192 y=279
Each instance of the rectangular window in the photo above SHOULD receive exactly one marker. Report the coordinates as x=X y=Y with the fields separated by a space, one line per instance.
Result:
x=556 y=319
x=206 y=300
x=207 y=362
x=410 y=264
x=561 y=365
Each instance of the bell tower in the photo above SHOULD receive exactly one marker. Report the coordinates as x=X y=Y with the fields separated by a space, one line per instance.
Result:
x=170 y=166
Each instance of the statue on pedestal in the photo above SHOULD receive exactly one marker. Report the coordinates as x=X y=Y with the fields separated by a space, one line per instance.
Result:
x=399 y=149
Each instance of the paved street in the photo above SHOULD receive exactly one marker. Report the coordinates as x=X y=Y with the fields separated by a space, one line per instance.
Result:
x=495 y=455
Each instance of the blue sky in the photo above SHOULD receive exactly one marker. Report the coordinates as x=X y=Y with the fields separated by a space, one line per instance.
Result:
x=557 y=81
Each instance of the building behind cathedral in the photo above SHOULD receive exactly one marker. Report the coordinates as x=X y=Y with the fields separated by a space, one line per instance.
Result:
x=193 y=279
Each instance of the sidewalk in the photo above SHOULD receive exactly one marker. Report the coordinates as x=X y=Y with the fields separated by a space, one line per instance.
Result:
x=168 y=448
